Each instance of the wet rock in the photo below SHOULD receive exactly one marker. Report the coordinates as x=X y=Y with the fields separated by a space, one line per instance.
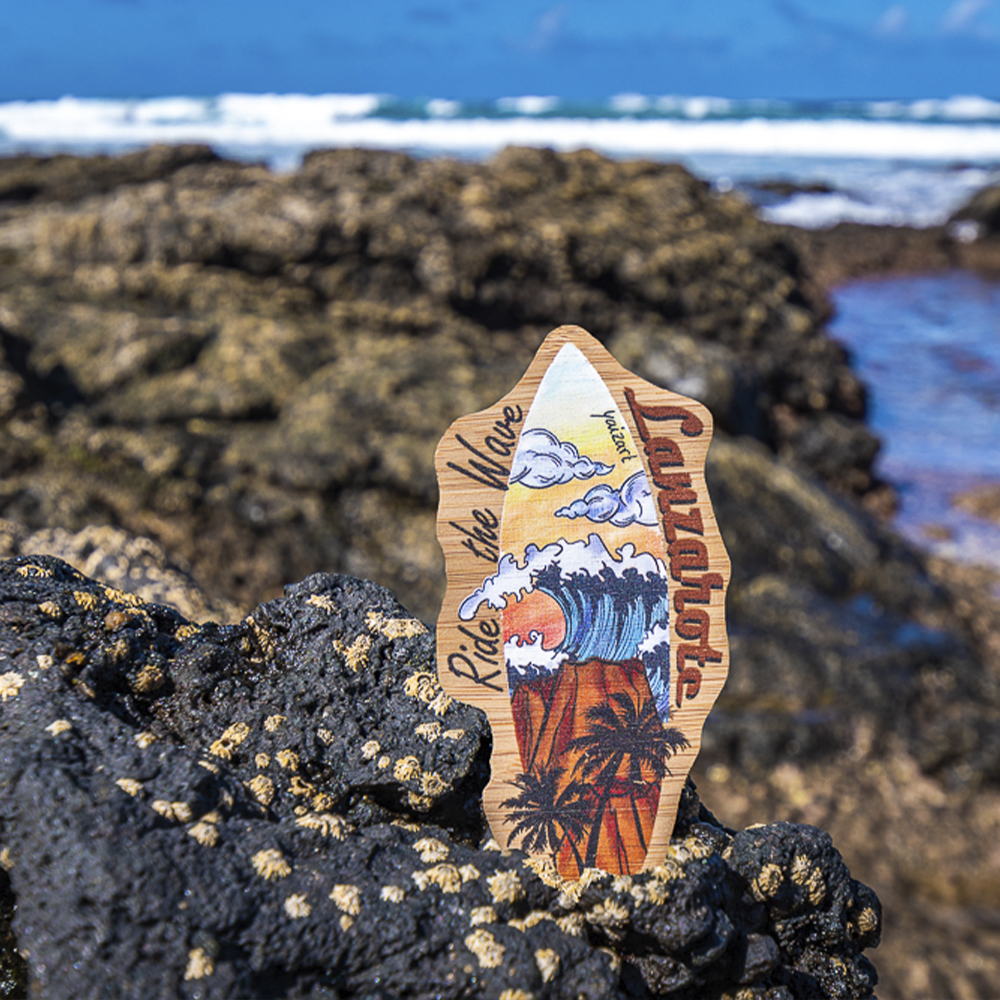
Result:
x=983 y=210
x=290 y=807
x=65 y=178
x=983 y=501
x=832 y=624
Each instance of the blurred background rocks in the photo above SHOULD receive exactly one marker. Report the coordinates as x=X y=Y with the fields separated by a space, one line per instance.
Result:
x=239 y=378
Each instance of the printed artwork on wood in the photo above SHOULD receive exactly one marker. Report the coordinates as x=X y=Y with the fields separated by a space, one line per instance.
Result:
x=585 y=603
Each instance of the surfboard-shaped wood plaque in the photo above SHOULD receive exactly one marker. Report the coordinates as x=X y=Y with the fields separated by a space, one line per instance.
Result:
x=585 y=608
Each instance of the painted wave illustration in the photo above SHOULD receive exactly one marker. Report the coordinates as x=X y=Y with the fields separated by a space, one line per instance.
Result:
x=615 y=607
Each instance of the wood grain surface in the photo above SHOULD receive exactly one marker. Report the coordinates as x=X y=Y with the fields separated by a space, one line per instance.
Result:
x=561 y=787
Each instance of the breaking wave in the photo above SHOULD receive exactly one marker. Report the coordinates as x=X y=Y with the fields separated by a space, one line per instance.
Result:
x=616 y=608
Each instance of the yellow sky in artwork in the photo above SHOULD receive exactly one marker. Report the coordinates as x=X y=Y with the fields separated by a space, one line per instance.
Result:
x=570 y=401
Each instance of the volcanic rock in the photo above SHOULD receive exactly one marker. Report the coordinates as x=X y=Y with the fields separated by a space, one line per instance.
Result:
x=290 y=807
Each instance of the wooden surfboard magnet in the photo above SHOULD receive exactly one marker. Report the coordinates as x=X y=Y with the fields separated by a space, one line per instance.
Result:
x=585 y=606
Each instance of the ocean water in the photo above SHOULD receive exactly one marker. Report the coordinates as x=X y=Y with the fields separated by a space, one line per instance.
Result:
x=928 y=347
x=887 y=162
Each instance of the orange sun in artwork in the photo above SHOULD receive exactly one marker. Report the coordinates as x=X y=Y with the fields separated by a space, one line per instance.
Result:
x=535 y=612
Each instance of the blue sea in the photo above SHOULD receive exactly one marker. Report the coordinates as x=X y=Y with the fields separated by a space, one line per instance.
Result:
x=929 y=347
x=887 y=162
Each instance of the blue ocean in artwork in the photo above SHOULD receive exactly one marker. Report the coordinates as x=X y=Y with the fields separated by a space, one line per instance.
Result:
x=609 y=616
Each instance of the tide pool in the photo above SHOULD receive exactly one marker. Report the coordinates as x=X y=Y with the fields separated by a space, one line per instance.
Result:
x=928 y=346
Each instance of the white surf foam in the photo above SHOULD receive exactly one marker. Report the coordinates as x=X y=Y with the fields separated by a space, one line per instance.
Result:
x=346 y=120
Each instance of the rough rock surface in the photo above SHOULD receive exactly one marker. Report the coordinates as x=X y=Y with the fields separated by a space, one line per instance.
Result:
x=290 y=807
x=136 y=565
x=254 y=370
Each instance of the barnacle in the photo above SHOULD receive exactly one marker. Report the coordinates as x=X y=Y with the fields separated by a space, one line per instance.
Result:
x=297 y=907
x=431 y=850
x=180 y=812
x=571 y=923
x=545 y=869
x=406 y=768
x=394 y=628
x=10 y=684
x=867 y=920
x=263 y=789
x=347 y=898
x=505 y=887
x=548 y=963
x=447 y=877
x=355 y=655
x=321 y=601
x=806 y=874
x=149 y=679
x=328 y=826
x=204 y=833
x=86 y=601
x=608 y=913
x=482 y=915
x=299 y=787
x=230 y=739
x=422 y=685
x=441 y=703
x=433 y=784
x=271 y=863
x=486 y=948
x=199 y=965
x=533 y=918
x=767 y=882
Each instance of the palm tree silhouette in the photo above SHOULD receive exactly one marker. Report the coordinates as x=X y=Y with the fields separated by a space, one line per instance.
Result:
x=620 y=733
x=544 y=816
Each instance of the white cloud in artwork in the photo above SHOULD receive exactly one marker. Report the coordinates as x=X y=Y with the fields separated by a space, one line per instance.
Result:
x=632 y=504
x=542 y=460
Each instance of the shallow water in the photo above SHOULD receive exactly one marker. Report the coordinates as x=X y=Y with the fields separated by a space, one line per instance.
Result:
x=928 y=347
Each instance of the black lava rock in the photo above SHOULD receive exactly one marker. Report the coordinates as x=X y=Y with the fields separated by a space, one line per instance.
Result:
x=289 y=807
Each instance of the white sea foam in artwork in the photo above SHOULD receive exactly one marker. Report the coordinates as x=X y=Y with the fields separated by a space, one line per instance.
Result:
x=590 y=557
x=889 y=162
x=528 y=658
